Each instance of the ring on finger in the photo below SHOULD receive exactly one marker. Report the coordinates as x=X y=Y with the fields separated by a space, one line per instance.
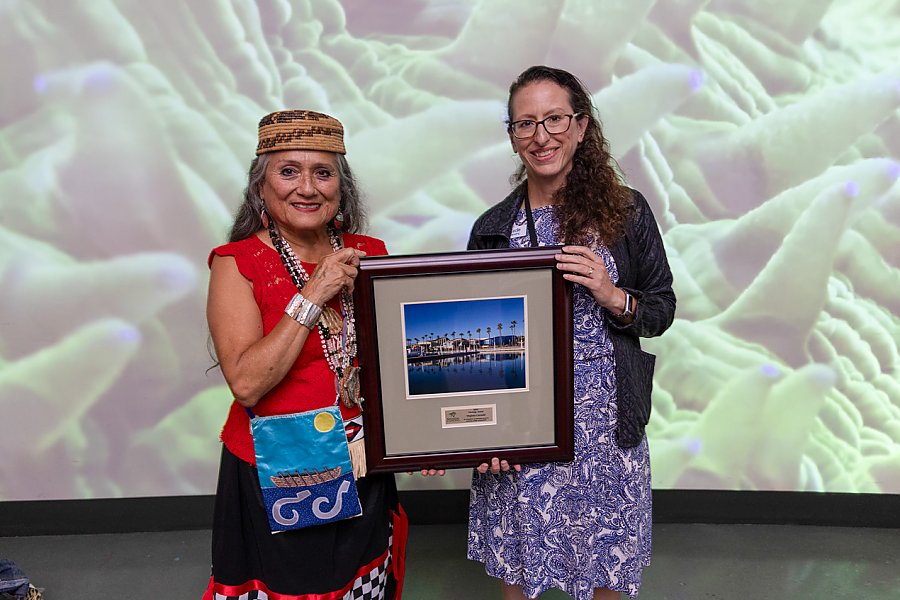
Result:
x=591 y=272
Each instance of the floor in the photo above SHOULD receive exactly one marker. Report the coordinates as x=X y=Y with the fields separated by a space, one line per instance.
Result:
x=689 y=562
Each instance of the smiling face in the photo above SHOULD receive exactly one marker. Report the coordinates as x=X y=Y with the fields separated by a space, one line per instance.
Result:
x=547 y=157
x=301 y=190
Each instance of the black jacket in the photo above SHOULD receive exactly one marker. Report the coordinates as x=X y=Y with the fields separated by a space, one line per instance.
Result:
x=643 y=271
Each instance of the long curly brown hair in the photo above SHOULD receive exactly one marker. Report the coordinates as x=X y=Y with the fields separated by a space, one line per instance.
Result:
x=593 y=201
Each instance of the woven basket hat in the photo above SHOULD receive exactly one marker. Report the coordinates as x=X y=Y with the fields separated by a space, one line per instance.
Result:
x=300 y=130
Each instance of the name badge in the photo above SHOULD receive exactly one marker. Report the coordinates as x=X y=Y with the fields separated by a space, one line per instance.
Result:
x=519 y=230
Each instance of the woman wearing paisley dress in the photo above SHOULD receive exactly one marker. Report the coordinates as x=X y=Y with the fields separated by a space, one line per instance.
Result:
x=583 y=527
x=293 y=255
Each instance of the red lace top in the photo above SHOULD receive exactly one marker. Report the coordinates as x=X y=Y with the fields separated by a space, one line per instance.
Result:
x=309 y=384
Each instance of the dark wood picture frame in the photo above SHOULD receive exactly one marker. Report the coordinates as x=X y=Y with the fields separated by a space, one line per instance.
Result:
x=550 y=312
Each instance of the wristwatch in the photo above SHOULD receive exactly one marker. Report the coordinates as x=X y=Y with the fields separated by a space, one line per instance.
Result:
x=629 y=306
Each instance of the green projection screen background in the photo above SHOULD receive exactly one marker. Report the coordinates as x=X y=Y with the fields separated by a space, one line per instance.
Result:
x=765 y=134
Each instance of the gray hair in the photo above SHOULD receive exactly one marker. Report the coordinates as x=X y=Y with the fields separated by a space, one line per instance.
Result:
x=247 y=220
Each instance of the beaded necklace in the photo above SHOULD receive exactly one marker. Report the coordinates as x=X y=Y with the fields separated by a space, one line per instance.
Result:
x=340 y=350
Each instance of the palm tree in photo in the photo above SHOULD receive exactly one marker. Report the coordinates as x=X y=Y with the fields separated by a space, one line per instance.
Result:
x=500 y=332
x=453 y=341
x=490 y=341
x=469 y=345
x=513 y=324
x=478 y=332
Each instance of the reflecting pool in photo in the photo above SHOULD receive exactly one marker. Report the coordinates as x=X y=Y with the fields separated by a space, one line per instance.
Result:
x=471 y=372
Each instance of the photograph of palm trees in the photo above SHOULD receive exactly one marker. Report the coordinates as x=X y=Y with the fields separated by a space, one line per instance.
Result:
x=465 y=346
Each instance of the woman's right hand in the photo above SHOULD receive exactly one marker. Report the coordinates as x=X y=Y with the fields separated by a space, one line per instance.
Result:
x=496 y=466
x=334 y=273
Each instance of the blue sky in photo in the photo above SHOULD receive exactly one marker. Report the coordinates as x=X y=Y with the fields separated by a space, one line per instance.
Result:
x=462 y=316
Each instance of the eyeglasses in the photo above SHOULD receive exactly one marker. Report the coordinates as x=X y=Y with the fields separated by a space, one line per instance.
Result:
x=525 y=128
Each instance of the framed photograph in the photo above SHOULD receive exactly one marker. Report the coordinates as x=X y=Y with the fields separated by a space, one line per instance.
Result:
x=465 y=356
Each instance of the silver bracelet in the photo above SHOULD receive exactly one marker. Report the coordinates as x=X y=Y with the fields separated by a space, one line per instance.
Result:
x=303 y=311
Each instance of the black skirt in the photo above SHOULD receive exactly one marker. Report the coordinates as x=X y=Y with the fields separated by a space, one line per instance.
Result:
x=358 y=558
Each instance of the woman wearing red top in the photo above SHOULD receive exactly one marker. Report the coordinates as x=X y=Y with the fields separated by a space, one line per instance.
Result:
x=293 y=254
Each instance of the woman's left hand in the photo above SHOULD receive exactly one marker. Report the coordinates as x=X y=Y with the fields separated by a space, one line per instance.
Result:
x=583 y=266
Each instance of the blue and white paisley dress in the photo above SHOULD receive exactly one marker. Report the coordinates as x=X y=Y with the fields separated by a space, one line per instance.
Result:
x=580 y=525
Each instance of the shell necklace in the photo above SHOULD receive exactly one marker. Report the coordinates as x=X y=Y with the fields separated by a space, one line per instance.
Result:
x=337 y=333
